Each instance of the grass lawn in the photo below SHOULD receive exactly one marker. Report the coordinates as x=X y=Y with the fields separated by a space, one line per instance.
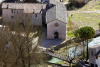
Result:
x=86 y=19
x=65 y=1
x=92 y=5
x=97 y=6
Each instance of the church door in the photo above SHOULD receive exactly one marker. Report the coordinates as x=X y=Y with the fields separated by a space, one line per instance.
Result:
x=92 y=65
x=56 y=35
x=96 y=65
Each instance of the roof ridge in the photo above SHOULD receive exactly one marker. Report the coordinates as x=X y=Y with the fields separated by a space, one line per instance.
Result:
x=23 y=3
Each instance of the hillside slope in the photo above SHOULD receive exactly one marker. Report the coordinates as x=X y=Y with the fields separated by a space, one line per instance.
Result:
x=92 y=5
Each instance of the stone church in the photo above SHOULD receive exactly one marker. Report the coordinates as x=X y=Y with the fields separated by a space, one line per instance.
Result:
x=50 y=12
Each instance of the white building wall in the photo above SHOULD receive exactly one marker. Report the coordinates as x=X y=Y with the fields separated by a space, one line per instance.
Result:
x=18 y=15
x=61 y=29
x=14 y=15
x=92 y=58
x=33 y=19
x=98 y=61
x=6 y=13
x=37 y=19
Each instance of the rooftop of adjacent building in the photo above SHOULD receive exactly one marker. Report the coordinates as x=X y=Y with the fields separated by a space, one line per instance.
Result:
x=95 y=46
x=28 y=7
x=57 y=11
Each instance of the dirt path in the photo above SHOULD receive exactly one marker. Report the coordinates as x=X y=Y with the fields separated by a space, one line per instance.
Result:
x=78 y=11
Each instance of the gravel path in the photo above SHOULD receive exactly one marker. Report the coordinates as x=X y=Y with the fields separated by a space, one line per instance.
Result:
x=78 y=11
x=48 y=42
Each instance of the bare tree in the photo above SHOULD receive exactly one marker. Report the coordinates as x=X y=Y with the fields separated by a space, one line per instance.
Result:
x=19 y=45
x=71 y=54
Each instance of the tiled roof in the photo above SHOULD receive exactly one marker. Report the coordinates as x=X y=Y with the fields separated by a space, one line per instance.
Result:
x=98 y=53
x=95 y=46
x=53 y=1
x=27 y=7
x=57 y=12
x=51 y=14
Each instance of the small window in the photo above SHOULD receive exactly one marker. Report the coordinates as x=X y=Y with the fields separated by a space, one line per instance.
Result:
x=35 y=15
x=33 y=11
x=12 y=10
x=7 y=6
x=12 y=17
x=96 y=57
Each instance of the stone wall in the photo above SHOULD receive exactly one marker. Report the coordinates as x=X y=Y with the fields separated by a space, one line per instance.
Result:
x=33 y=19
x=13 y=15
x=18 y=15
x=98 y=61
x=92 y=57
x=10 y=15
x=51 y=29
x=6 y=14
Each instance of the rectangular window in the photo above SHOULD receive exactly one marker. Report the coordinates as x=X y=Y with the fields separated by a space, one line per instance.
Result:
x=12 y=17
x=96 y=57
x=33 y=11
x=12 y=10
x=35 y=15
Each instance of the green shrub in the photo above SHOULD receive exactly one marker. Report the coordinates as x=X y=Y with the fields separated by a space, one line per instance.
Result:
x=99 y=24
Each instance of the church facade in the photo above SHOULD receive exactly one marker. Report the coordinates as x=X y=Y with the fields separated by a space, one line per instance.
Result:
x=52 y=13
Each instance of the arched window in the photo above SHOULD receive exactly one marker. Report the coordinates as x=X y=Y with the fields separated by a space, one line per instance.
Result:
x=56 y=35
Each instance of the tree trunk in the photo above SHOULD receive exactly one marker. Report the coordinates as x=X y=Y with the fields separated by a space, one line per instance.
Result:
x=23 y=63
x=28 y=51
x=22 y=57
x=83 y=50
x=87 y=51
x=70 y=65
x=28 y=58
x=5 y=65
